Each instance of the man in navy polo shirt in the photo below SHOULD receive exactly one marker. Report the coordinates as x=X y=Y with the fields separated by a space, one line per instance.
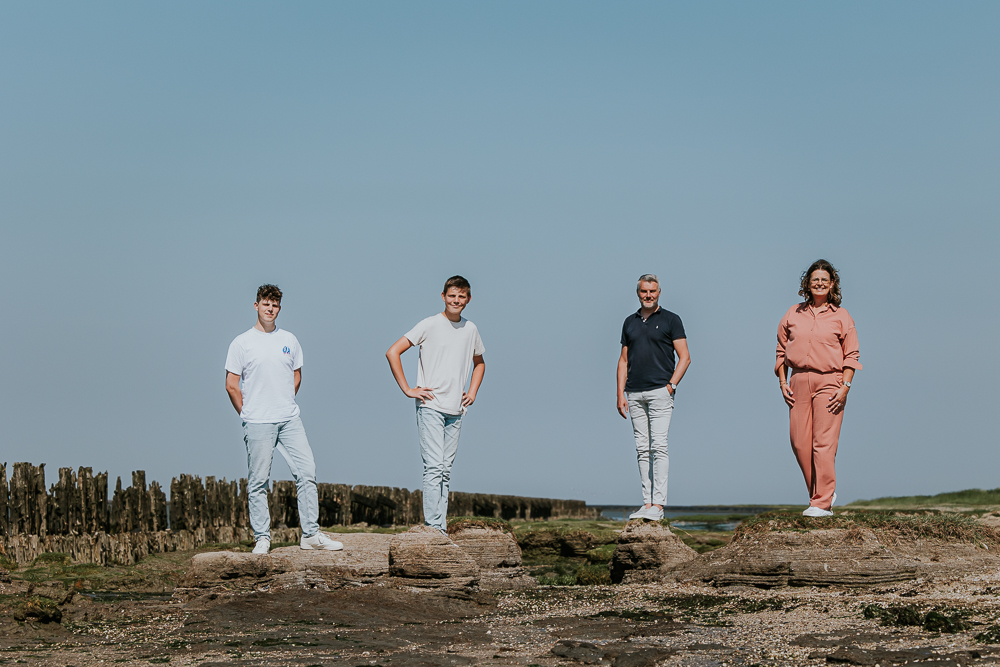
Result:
x=648 y=375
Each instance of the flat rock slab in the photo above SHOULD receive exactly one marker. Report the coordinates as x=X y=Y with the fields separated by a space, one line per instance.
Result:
x=365 y=557
x=835 y=557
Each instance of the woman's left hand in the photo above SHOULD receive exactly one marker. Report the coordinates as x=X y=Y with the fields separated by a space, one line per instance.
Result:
x=838 y=400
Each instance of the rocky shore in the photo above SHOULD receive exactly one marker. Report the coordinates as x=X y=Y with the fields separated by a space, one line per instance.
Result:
x=865 y=590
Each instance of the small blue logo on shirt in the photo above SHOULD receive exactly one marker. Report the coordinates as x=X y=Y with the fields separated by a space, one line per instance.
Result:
x=286 y=350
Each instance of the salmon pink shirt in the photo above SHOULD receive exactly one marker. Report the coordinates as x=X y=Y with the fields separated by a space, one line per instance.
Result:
x=825 y=341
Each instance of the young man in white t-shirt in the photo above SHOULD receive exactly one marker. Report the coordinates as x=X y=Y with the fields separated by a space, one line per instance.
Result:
x=268 y=361
x=450 y=347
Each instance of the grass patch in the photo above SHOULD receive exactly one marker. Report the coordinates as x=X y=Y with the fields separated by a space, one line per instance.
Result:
x=559 y=572
x=940 y=619
x=459 y=522
x=593 y=575
x=887 y=524
x=601 y=555
x=704 y=541
x=604 y=530
x=968 y=497
x=53 y=558
x=155 y=574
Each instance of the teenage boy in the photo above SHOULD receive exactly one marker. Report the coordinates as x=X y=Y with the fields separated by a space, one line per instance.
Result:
x=647 y=381
x=268 y=360
x=449 y=348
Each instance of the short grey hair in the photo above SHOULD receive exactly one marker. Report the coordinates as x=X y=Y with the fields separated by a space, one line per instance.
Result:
x=647 y=278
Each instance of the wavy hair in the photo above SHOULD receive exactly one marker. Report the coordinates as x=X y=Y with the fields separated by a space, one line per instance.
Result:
x=268 y=292
x=835 y=296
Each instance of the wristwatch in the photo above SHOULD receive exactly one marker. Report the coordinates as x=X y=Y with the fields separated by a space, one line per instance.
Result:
x=847 y=384
x=672 y=386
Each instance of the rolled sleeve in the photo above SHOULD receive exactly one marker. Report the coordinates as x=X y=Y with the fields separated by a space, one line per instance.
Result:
x=779 y=353
x=852 y=353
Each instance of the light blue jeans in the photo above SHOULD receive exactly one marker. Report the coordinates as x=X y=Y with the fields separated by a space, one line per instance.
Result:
x=290 y=439
x=651 y=411
x=438 y=435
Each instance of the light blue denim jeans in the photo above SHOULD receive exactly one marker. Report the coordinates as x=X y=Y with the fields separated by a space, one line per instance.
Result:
x=651 y=411
x=290 y=439
x=438 y=435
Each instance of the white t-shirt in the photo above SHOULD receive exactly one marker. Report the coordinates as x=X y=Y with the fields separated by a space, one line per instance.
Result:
x=266 y=362
x=446 y=351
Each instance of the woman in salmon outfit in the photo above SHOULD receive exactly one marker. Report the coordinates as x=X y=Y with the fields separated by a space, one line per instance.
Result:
x=817 y=356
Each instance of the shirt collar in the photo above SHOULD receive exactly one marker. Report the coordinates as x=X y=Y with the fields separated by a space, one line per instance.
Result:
x=826 y=306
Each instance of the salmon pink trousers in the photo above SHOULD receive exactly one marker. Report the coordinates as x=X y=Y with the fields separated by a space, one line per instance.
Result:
x=814 y=431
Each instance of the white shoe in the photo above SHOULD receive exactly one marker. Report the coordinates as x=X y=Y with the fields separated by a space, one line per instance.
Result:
x=816 y=512
x=320 y=541
x=263 y=546
x=638 y=514
x=653 y=513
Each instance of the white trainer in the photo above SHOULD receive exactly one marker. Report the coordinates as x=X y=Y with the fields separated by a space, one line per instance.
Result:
x=653 y=513
x=263 y=546
x=320 y=541
x=639 y=513
x=816 y=512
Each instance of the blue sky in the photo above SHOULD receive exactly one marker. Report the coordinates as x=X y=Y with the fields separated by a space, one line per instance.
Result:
x=159 y=161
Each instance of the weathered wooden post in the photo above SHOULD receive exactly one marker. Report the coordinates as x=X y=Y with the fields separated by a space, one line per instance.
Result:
x=93 y=501
x=28 y=500
x=65 y=505
x=158 y=508
x=140 y=516
x=4 y=522
x=117 y=522
x=242 y=519
x=283 y=505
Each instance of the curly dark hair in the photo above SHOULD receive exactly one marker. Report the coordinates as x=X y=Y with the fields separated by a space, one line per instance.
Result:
x=835 y=296
x=268 y=292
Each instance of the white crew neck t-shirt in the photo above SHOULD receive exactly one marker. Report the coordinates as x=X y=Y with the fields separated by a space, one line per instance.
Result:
x=446 y=351
x=266 y=362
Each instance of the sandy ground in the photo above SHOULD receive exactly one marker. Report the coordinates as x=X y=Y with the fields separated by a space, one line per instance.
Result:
x=656 y=624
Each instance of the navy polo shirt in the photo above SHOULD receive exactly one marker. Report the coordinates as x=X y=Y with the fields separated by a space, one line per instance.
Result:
x=651 y=349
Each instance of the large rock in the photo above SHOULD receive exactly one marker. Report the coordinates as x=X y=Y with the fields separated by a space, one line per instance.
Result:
x=646 y=551
x=365 y=558
x=423 y=556
x=497 y=554
x=842 y=557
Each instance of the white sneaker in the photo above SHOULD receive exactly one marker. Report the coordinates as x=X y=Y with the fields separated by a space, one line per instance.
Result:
x=320 y=541
x=653 y=513
x=639 y=513
x=263 y=546
x=816 y=512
